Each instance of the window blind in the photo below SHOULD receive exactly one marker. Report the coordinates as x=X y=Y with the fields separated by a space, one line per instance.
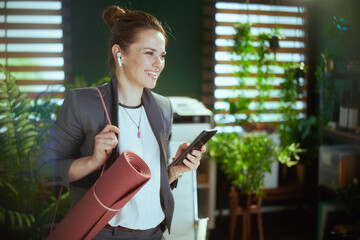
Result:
x=218 y=74
x=33 y=46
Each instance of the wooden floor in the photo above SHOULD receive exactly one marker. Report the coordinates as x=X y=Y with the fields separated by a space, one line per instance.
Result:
x=292 y=223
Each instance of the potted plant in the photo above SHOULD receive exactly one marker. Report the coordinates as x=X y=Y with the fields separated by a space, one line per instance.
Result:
x=26 y=206
x=245 y=158
x=251 y=57
x=275 y=37
x=294 y=127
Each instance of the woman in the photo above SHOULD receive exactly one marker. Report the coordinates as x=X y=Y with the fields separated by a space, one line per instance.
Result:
x=142 y=122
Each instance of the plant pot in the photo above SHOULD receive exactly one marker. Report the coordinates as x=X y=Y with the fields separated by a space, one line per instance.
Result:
x=288 y=175
x=300 y=174
x=299 y=73
x=274 y=43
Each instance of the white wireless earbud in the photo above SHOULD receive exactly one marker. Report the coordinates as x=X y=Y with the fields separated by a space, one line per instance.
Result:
x=118 y=55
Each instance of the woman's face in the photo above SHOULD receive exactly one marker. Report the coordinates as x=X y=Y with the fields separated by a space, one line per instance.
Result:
x=145 y=59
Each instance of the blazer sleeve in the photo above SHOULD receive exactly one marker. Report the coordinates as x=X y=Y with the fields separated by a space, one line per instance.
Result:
x=64 y=146
x=168 y=139
x=169 y=126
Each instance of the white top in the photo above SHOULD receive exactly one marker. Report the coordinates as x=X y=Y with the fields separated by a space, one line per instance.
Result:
x=144 y=210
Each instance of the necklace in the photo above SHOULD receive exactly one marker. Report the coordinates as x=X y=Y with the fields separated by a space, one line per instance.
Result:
x=137 y=125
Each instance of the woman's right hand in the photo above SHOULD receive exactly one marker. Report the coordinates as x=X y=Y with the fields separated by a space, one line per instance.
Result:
x=105 y=142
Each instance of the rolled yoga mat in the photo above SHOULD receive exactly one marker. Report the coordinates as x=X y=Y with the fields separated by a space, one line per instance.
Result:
x=126 y=176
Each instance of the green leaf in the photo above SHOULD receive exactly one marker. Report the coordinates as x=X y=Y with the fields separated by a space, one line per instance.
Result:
x=12 y=188
x=19 y=219
x=12 y=217
x=24 y=128
x=27 y=220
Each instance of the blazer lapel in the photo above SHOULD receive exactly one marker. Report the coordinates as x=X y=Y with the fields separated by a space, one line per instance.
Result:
x=157 y=124
x=156 y=120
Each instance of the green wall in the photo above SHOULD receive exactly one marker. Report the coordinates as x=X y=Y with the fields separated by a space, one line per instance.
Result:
x=182 y=74
x=324 y=34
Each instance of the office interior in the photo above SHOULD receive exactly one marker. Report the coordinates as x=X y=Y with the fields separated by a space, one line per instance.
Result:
x=299 y=202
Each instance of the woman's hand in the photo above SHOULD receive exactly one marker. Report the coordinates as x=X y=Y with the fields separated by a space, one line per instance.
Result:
x=105 y=142
x=189 y=163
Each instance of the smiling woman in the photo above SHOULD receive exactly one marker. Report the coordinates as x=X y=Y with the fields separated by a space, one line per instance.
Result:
x=139 y=121
x=142 y=64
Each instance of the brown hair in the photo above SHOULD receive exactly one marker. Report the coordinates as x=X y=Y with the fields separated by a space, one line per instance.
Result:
x=125 y=25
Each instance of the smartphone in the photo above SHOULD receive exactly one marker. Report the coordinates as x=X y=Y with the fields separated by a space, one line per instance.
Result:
x=200 y=140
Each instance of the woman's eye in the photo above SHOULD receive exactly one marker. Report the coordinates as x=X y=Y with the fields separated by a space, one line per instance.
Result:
x=150 y=53
x=162 y=56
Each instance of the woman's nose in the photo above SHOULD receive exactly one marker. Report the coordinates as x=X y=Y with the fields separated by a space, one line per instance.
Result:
x=157 y=61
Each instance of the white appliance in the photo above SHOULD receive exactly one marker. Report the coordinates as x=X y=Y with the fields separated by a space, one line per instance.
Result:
x=190 y=118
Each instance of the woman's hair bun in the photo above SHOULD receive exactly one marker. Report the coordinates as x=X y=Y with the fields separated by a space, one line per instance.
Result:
x=111 y=14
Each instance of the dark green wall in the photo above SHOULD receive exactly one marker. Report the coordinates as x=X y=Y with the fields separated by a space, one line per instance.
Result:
x=182 y=74
x=341 y=44
x=325 y=35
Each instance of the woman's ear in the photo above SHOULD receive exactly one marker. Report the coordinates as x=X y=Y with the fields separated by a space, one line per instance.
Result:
x=117 y=54
x=115 y=49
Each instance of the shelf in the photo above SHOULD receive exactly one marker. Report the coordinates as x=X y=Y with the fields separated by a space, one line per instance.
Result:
x=343 y=135
x=290 y=192
x=203 y=186
x=351 y=75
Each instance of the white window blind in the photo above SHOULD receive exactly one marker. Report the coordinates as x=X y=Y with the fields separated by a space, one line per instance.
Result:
x=291 y=19
x=32 y=45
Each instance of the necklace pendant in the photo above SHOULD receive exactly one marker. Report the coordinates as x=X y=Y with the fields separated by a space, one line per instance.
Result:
x=138 y=126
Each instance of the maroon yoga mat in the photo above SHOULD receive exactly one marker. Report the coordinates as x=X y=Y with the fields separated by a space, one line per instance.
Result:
x=126 y=176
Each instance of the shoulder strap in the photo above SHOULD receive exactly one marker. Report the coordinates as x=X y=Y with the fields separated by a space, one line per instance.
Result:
x=56 y=208
x=103 y=103
x=102 y=172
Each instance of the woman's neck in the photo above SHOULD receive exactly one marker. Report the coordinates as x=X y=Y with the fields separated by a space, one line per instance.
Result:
x=129 y=95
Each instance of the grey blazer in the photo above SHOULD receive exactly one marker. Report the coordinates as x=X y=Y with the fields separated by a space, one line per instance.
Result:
x=81 y=117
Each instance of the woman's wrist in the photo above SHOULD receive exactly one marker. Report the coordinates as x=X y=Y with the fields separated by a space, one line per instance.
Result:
x=174 y=174
x=80 y=168
x=92 y=163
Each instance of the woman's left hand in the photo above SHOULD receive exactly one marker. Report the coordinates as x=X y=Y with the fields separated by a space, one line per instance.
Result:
x=191 y=161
